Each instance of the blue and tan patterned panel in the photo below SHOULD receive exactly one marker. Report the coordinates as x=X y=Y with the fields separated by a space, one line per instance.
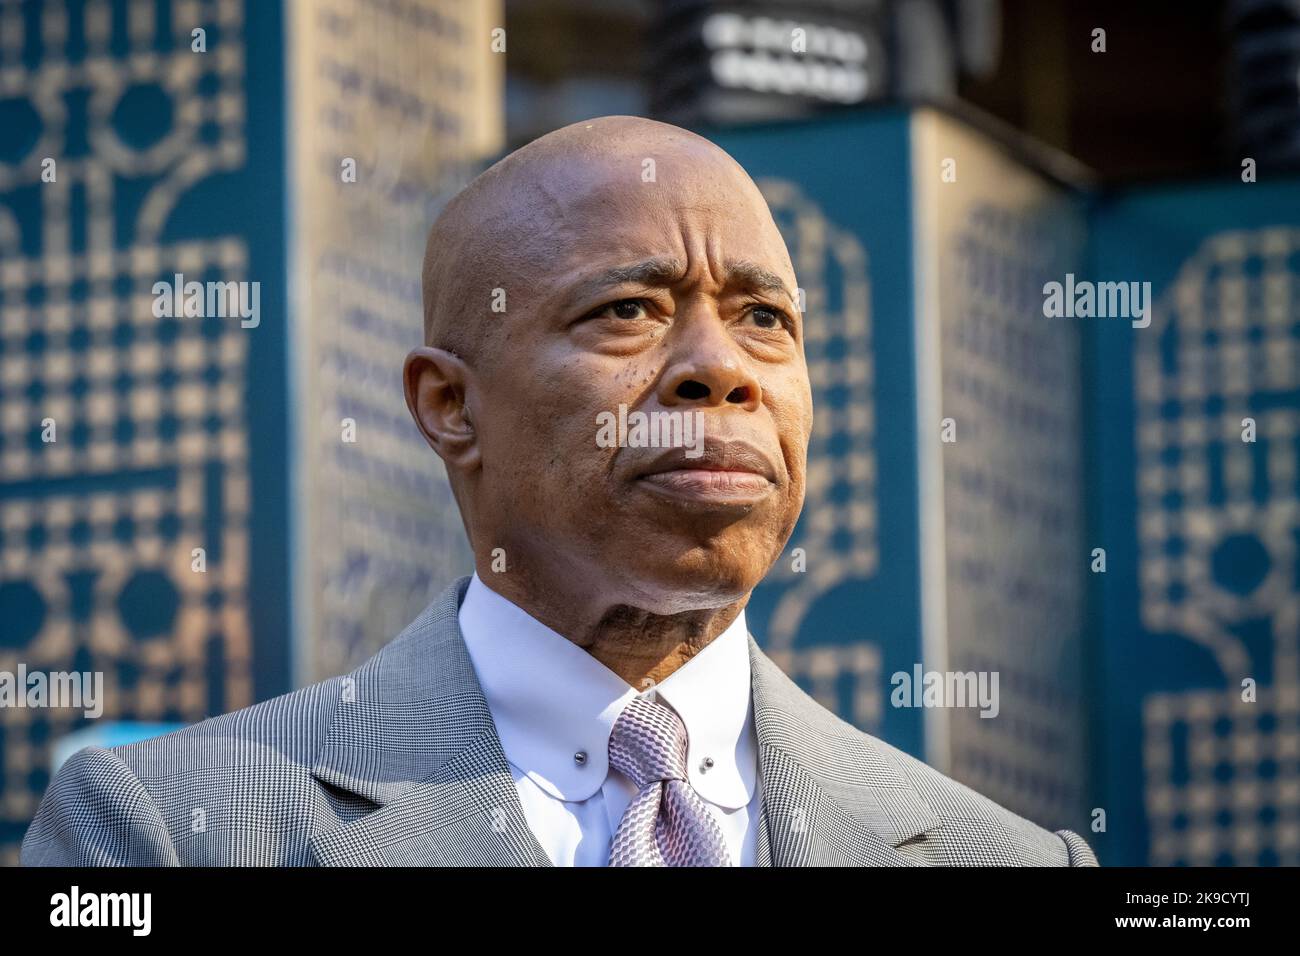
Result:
x=153 y=450
x=840 y=497
x=1210 y=775
x=1219 y=525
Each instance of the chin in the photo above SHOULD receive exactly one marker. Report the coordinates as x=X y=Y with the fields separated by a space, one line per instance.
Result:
x=691 y=580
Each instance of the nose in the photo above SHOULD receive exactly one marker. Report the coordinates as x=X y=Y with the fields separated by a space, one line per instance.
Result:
x=707 y=368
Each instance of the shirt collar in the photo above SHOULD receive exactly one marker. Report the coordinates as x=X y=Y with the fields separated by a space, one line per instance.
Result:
x=550 y=699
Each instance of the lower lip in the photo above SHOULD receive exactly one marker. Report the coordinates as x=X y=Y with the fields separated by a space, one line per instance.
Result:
x=697 y=484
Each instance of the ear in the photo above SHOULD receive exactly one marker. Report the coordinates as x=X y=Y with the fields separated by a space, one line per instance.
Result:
x=436 y=384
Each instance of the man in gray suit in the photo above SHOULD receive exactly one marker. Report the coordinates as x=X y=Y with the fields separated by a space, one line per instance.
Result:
x=591 y=695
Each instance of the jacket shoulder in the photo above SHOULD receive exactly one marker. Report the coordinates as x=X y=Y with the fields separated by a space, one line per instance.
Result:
x=946 y=822
x=183 y=797
x=239 y=788
x=979 y=831
x=283 y=731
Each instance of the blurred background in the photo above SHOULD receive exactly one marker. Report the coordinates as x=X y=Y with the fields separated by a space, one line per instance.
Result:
x=211 y=511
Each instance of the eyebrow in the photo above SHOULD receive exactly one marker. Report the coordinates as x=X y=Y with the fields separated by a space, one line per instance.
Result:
x=666 y=271
x=651 y=272
x=755 y=278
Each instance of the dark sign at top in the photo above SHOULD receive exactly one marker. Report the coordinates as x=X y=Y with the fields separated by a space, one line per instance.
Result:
x=730 y=62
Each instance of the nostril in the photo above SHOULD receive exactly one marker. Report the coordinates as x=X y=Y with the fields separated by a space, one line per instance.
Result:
x=692 y=389
x=738 y=395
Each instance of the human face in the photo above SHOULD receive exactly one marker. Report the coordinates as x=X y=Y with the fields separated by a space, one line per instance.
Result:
x=675 y=295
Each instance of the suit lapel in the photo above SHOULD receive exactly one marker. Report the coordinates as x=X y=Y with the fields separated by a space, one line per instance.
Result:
x=413 y=735
x=832 y=796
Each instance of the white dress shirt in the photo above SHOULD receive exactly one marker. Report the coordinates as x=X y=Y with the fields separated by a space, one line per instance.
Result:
x=551 y=700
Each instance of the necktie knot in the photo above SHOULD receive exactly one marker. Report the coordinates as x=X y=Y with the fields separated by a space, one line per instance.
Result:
x=667 y=824
x=648 y=743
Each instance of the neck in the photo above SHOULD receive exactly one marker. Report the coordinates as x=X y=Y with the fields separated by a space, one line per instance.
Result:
x=644 y=648
x=638 y=645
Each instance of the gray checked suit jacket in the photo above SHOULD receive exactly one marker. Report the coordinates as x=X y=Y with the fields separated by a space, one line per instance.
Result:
x=399 y=763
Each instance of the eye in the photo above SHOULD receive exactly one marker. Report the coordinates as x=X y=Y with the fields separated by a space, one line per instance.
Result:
x=766 y=317
x=626 y=309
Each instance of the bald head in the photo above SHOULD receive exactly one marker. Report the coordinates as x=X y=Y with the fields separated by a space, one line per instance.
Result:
x=497 y=239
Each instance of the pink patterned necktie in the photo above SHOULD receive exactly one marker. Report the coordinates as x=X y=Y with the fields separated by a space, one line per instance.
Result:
x=667 y=823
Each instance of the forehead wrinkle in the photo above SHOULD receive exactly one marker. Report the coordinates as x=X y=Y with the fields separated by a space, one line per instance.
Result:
x=504 y=228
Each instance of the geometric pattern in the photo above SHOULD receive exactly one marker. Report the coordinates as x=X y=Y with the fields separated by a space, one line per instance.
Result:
x=838 y=526
x=151 y=453
x=1219 y=529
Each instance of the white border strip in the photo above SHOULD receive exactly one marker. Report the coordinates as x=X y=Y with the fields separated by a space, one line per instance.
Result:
x=927 y=329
